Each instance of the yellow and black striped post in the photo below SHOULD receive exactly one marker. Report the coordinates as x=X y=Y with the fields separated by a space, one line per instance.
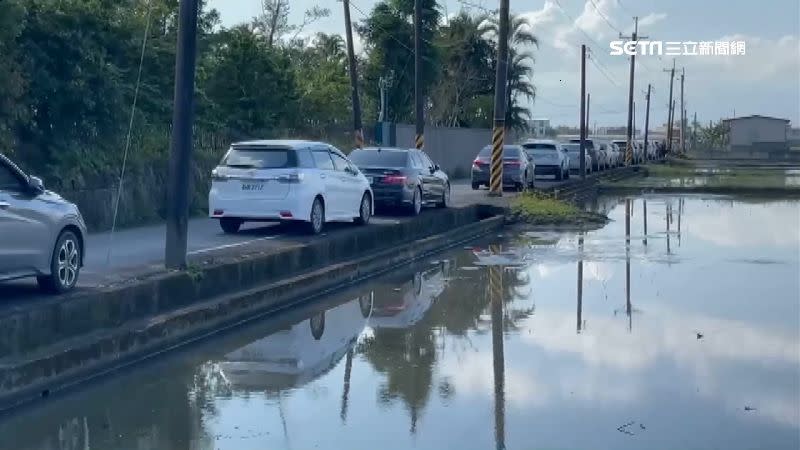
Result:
x=496 y=166
x=359 y=138
x=419 y=141
x=629 y=154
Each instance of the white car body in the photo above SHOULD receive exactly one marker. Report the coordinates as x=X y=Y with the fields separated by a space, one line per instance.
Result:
x=549 y=158
x=300 y=353
x=574 y=153
x=247 y=186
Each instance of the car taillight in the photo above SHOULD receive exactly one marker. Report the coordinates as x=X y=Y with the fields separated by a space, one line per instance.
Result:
x=394 y=179
x=291 y=178
x=478 y=163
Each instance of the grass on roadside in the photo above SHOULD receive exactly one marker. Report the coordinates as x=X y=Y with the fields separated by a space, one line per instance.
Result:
x=535 y=208
x=730 y=177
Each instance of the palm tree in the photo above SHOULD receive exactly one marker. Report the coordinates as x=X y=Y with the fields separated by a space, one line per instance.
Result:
x=519 y=73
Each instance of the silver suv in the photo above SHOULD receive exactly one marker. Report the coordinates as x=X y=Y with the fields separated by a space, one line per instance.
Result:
x=41 y=234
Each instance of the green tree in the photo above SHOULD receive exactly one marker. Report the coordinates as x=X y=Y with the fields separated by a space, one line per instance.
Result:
x=249 y=88
x=466 y=82
x=520 y=88
x=388 y=35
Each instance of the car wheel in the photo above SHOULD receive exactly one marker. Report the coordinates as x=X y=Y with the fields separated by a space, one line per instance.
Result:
x=559 y=175
x=365 y=210
x=230 y=225
x=316 y=220
x=416 y=202
x=317 y=324
x=65 y=265
x=445 y=202
x=475 y=186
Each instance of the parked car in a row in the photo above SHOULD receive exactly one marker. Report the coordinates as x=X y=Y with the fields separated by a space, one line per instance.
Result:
x=549 y=157
x=314 y=183
x=403 y=177
x=518 y=168
x=41 y=234
x=574 y=152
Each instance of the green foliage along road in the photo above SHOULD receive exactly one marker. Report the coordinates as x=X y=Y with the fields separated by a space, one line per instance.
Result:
x=69 y=69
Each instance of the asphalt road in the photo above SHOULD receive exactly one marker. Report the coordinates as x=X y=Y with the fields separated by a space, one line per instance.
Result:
x=140 y=250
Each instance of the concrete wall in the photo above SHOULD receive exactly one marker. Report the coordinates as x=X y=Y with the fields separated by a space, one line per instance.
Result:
x=453 y=149
x=749 y=131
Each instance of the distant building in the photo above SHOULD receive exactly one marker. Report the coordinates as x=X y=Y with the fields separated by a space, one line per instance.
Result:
x=793 y=136
x=539 y=127
x=757 y=133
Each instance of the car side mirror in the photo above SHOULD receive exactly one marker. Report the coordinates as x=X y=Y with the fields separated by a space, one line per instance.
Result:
x=36 y=184
x=434 y=168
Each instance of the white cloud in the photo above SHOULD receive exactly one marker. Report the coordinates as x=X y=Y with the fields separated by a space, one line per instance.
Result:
x=652 y=19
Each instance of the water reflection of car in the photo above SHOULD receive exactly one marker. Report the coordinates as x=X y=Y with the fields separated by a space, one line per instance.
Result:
x=404 y=307
x=301 y=352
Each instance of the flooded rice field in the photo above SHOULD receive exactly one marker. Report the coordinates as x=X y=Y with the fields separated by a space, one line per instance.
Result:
x=683 y=332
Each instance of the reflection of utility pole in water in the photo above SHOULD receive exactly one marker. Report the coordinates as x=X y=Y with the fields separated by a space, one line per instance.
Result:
x=644 y=217
x=580 y=284
x=680 y=213
x=348 y=368
x=628 y=261
x=669 y=214
x=498 y=357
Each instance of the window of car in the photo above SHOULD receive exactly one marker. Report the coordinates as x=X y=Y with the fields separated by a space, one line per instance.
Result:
x=426 y=160
x=322 y=159
x=304 y=158
x=9 y=180
x=379 y=158
x=542 y=147
x=339 y=162
x=260 y=157
x=418 y=160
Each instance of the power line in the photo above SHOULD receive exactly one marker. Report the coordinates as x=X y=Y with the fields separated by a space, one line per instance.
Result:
x=596 y=8
x=603 y=71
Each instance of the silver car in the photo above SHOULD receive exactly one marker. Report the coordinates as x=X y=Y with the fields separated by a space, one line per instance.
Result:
x=41 y=234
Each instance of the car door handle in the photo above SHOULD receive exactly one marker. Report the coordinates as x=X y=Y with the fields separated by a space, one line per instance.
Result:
x=4 y=205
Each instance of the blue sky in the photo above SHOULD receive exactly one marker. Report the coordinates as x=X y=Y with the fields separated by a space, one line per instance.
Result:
x=764 y=81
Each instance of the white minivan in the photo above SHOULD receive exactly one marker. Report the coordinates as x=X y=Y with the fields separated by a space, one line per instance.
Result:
x=288 y=180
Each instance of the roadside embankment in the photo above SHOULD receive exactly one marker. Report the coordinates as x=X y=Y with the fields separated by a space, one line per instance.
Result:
x=50 y=345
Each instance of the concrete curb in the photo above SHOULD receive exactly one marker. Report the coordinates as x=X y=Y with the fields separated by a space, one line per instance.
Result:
x=29 y=375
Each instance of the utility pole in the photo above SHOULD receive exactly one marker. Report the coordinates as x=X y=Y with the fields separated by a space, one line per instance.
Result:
x=419 y=141
x=358 y=131
x=583 y=112
x=634 y=120
x=647 y=122
x=588 y=104
x=635 y=37
x=694 y=132
x=683 y=114
x=498 y=133
x=180 y=158
x=669 y=106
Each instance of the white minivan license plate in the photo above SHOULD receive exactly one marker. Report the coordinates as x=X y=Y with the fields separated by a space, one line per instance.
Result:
x=252 y=187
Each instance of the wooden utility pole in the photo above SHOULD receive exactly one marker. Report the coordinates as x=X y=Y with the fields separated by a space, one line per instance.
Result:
x=669 y=106
x=358 y=130
x=583 y=112
x=180 y=158
x=419 y=140
x=498 y=133
x=683 y=115
x=588 y=105
x=647 y=122
x=634 y=38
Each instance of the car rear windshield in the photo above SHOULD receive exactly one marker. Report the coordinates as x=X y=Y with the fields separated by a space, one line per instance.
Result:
x=541 y=147
x=572 y=147
x=382 y=158
x=260 y=157
x=508 y=152
x=589 y=142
